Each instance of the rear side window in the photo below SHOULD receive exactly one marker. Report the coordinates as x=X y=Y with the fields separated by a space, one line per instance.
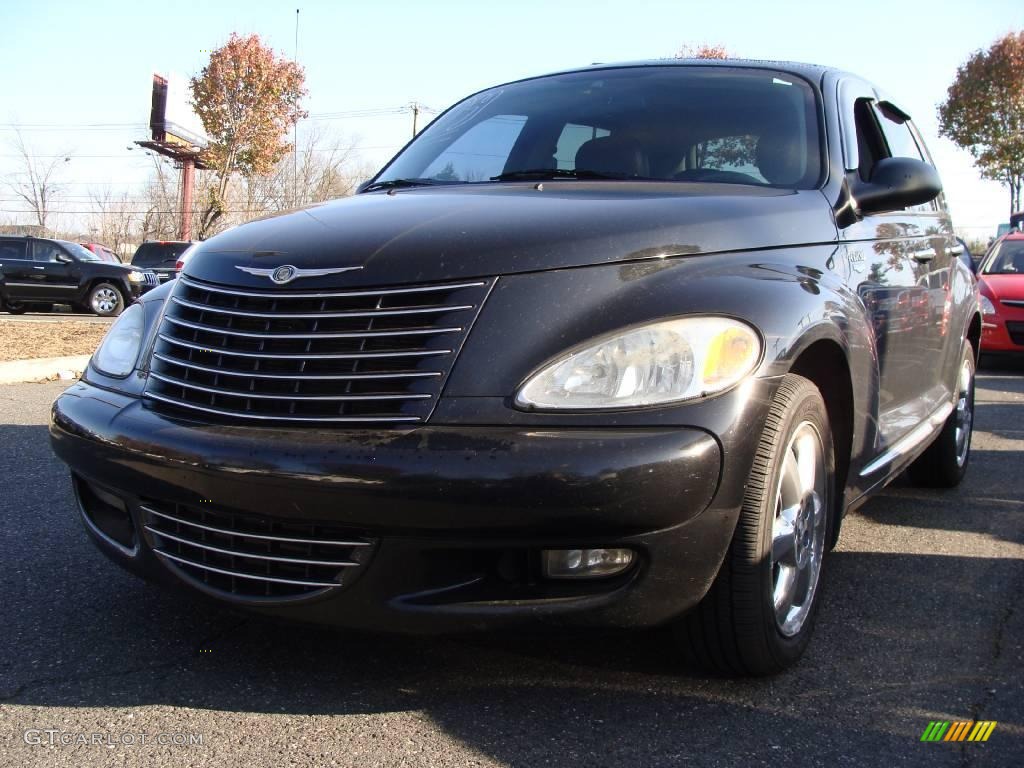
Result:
x=12 y=249
x=158 y=254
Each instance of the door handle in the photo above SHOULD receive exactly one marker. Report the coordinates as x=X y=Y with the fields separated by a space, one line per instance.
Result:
x=38 y=267
x=924 y=258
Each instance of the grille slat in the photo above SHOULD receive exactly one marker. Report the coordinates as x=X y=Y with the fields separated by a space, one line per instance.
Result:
x=323 y=314
x=254 y=557
x=373 y=355
x=249 y=394
x=218 y=331
x=378 y=355
x=293 y=376
x=239 y=575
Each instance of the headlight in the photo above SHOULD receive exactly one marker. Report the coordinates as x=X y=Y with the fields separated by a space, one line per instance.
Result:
x=653 y=364
x=137 y=277
x=987 y=308
x=119 y=350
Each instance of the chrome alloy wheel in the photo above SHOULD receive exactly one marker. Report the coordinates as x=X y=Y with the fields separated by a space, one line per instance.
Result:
x=798 y=532
x=104 y=301
x=964 y=412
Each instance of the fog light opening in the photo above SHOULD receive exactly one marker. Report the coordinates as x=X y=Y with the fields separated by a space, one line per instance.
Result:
x=585 y=563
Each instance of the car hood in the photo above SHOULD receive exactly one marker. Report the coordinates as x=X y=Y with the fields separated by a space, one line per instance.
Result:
x=999 y=287
x=455 y=232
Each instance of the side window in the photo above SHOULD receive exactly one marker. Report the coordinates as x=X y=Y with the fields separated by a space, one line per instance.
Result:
x=479 y=153
x=11 y=249
x=572 y=138
x=42 y=251
x=897 y=133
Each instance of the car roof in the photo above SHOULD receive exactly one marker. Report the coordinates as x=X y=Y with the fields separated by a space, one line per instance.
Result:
x=811 y=72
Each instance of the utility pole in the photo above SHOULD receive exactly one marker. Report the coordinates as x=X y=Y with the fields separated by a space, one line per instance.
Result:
x=188 y=166
x=295 y=128
x=415 y=116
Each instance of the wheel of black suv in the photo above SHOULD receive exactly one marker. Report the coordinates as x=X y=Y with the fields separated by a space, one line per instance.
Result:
x=759 y=614
x=106 y=300
x=16 y=307
x=944 y=463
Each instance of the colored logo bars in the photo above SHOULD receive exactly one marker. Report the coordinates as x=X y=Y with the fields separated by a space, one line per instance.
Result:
x=960 y=730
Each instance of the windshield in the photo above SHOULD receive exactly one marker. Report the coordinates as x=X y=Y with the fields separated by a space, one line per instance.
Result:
x=675 y=123
x=80 y=252
x=1007 y=258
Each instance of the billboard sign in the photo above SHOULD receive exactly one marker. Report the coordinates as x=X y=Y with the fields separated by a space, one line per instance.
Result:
x=172 y=119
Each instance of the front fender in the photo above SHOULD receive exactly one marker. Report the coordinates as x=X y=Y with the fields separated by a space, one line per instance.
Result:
x=793 y=296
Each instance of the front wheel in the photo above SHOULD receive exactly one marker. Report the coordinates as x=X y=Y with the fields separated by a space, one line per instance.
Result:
x=106 y=300
x=758 y=616
x=944 y=462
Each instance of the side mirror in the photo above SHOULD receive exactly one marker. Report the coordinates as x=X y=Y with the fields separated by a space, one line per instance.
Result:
x=896 y=182
x=63 y=258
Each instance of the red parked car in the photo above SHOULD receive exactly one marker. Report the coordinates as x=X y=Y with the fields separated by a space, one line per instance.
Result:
x=103 y=252
x=1001 y=282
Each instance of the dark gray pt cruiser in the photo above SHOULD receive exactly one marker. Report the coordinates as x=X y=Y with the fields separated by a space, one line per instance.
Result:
x=618 y=346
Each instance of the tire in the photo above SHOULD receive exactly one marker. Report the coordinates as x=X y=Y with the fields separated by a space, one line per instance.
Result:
x=106 y=300
x=944 y=462
x=780 y=545
x=16 y=307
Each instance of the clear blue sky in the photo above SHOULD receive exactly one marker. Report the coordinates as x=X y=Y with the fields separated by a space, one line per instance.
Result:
x=91 y=62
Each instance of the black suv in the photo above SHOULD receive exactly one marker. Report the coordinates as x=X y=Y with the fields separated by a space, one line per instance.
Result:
x=37 y=273
x=161 y=256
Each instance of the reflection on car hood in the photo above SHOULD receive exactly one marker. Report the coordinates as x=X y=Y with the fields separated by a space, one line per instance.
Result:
x=455 y=232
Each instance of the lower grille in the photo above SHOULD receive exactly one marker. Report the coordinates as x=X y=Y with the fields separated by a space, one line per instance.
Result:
x=253 y=557
x=378 y=355
x=1016 y=331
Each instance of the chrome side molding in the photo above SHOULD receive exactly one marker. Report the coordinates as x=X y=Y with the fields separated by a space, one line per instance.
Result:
x=911 y=440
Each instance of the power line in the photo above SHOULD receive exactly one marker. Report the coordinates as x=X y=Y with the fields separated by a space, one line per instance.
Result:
x=339 y=115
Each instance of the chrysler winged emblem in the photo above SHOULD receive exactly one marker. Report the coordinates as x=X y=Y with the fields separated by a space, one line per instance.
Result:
x=286 y=272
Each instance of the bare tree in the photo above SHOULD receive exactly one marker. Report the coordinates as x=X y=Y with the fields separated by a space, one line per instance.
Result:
x=116 y=221
x=36 y=182
x=327 y=168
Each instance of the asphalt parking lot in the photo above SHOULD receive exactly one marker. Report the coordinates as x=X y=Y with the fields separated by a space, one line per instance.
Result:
x=922 y=621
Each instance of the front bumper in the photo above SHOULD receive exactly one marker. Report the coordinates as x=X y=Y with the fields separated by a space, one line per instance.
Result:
x=996 y=337
x=457 y=515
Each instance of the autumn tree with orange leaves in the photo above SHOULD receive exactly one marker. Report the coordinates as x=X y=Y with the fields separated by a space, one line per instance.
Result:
x=702 y=51
x=984 y=113
x=247 y=97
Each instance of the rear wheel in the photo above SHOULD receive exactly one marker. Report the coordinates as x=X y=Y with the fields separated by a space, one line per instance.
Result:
x=944 y=463
x=759 y=614
x=16 y=307
x=106 y=300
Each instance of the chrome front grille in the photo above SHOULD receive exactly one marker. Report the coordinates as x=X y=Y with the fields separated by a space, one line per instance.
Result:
x=376 y=356
x=254 y=557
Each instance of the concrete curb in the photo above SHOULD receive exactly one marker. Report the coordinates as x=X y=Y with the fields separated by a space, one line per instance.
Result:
x=43 y=369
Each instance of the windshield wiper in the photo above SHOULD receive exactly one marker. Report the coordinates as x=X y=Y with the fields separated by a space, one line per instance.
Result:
x=557 y=173
x=396 y=183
